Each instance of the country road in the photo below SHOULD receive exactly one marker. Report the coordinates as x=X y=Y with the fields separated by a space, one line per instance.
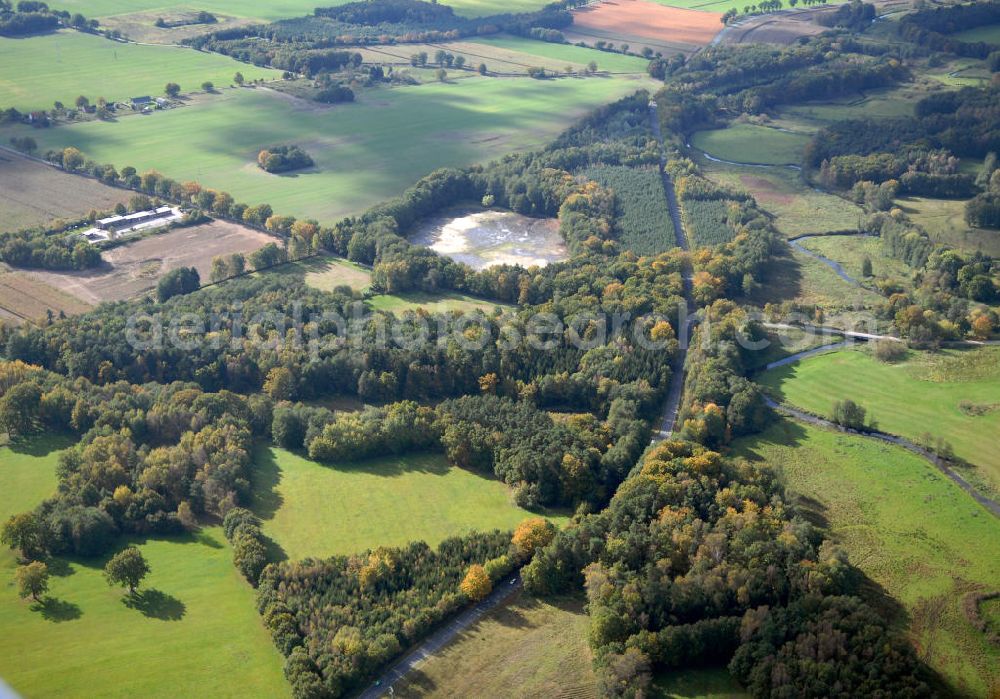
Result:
x=672 y=403
x=439 y=639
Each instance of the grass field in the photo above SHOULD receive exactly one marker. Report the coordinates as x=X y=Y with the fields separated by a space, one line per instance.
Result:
x=851 y=251
x=565 y=54
x=944 y=221
x=748 y=143
x=873 y=104
x=36 y=71
x=797 y=208
x=433 y=303
x=537 y=646
x=195 y=632
x=705 y=5
x=927 y=393
x=32 y=194
x=314 y=510
x=921 y=541
x=364 y=152
x=989 y=34
x=326 y=273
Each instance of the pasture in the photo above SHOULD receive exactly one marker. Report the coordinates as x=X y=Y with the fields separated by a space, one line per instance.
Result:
x=749 y=143
x=537 y=645
x=193 y=631
x=327 y=273
x=641 y=23
x=797 y=208
x=364 y=152
x=310 y=509
x=33 y=194
x=134 y=268
x=703 y=683
x=37 y=71
x=952 y=395
x=944 y=221
x=920 y=540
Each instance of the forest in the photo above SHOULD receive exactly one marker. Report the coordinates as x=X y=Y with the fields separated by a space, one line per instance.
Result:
x=376 y=22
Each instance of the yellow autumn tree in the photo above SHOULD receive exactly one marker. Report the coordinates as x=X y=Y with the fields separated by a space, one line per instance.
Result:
x=477 y=584
x=531 y=535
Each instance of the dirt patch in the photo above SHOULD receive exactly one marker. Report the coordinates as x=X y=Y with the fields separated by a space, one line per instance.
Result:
x=141 y=26
x=639 y=22
x=765 y=191
x=32 y=194
x=135 y=268
x=24 y=298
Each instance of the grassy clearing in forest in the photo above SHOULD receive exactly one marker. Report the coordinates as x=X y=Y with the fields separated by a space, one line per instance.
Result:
x=538 y=646
x=749 y=143
x=315 y=510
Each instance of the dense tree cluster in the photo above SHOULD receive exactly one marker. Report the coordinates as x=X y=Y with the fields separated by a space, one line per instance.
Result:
x=339 y=620
x=42 y=248
x=693 y=552
x=35 y=17
x=146 y=453
x=933 y=27
x=283 y=158
x=372 y=22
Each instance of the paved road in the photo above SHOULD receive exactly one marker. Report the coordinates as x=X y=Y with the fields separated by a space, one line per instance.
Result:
x=672 y=403
x=440 y=638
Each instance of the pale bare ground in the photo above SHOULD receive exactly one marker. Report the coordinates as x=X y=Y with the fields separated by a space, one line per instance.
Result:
x=786 y=27
x=141 y=26
x=134 y=269
x=33 y=194
x=642 y=23
x=24 y=298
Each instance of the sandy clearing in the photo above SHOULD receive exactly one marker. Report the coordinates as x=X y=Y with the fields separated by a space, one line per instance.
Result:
x=133 y=269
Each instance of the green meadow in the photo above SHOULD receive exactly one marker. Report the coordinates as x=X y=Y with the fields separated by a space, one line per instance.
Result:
x=921 y=541
x=952 y=394
x=364 y=152
x=193 y=631
x=748 y=143
x=37 y=71
x=314 y=510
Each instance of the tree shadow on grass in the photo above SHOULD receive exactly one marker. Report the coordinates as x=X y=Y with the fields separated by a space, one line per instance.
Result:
x=59 y=567
x=156 y=605
x=41 y=445
x=266 y=478
x=57 y=610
